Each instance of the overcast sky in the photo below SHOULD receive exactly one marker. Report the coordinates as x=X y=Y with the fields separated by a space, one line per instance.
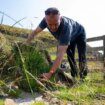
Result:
x=90 y=13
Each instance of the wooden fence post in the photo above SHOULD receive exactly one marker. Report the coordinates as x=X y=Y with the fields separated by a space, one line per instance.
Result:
x=104 y=54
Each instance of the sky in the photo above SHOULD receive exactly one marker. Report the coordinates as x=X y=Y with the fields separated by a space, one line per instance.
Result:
x=89 y=13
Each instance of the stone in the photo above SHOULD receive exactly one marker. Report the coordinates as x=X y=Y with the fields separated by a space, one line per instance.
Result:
x=9 y=102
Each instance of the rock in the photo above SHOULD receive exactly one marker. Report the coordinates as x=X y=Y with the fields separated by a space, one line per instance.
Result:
x=39 y=98
x=9 y=102
x=54 y=101
x=100 y=96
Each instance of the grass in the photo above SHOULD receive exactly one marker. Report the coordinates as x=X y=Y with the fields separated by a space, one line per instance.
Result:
x=85 y=93
x=38 y=103
x=32 y=63
x=1 y=101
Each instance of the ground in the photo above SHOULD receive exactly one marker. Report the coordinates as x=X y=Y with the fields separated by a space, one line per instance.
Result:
x=89 y=92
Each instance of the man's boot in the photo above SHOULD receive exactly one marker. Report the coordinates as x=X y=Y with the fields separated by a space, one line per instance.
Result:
x=83 y=70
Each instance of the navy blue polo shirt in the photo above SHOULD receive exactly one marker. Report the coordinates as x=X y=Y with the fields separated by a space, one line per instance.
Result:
x=67 y=31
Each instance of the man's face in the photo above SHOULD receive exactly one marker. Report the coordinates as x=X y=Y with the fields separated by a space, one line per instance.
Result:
x=53 y=22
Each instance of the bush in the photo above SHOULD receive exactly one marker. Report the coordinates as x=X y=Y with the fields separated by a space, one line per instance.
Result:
x=29 y=59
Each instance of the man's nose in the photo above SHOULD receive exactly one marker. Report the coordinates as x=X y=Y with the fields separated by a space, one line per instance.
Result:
x=53 y=27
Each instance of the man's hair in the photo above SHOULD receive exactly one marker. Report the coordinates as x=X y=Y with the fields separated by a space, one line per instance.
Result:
x=52 y=10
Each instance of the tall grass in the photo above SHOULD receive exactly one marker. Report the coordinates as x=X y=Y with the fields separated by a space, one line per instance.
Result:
x=4 y=14
x=32 y=63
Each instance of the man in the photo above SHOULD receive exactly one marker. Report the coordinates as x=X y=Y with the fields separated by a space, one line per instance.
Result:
x=69 y=34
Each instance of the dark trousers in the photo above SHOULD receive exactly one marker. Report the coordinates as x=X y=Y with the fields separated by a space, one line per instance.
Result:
x=80 y=42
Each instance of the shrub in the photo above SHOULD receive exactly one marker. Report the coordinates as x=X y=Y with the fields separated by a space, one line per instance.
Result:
x=30 y=61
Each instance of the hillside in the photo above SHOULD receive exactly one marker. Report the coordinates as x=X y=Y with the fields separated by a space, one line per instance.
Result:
x=44 y=39
x=12 y=34
x=20 y=34
x=23 y=33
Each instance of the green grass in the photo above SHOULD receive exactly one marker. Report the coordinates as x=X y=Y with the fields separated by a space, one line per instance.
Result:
x=1 y=101
x=38 y=103
x=85 y=93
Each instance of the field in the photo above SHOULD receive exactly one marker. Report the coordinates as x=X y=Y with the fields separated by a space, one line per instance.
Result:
x=89 y=92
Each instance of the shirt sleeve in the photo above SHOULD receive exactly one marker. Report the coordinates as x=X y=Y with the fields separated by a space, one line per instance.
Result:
x=65 y=36
x=43 y=24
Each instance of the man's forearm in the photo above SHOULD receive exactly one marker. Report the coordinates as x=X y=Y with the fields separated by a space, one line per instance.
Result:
x=34 y=33
x=56 y=64
x=61 y=52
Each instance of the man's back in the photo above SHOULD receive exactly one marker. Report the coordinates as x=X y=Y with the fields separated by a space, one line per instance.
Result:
x=67 y=30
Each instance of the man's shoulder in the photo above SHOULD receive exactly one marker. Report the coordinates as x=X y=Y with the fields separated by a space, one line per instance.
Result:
x=67 y=19
x=64 y=17
x=43 y=19
x=70 y=22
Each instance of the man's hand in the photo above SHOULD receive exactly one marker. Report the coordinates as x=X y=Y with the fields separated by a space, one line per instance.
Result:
x=33 y=34
x=46 y=76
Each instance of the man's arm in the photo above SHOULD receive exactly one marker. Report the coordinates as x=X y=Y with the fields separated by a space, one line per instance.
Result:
x=33 y=34
x=61 y=52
